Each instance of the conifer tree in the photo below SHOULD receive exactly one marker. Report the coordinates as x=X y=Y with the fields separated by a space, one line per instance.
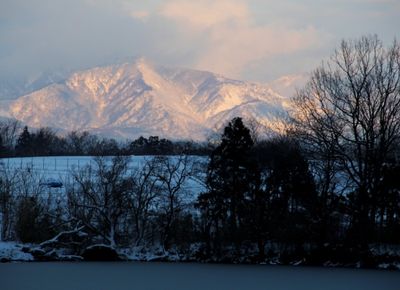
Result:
x=231 y=176
x=24 y=142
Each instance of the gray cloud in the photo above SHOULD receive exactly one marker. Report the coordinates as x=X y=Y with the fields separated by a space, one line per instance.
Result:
x=254 y=39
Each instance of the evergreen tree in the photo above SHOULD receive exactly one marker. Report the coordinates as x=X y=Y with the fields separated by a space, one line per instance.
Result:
x=231 y=178
x=24 y=143
x=3 y=149
x=291 y=191
x=388 y=229
x=43 y=142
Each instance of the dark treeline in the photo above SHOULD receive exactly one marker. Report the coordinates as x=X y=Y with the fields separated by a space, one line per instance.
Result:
x=263 y=201
x=22 y=142
x=276 y=195
x=326 y=190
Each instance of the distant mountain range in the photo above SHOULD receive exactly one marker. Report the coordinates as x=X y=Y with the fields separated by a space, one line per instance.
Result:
x=133 y=99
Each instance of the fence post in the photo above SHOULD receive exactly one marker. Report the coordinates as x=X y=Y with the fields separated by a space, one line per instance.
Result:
x=1 y=228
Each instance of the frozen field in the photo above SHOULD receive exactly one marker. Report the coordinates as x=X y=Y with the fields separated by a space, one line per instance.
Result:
x=60 y=168
x=177 y=276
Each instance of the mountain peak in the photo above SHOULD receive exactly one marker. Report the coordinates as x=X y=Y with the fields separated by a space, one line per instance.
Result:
x=143 y=62
x=140 y=98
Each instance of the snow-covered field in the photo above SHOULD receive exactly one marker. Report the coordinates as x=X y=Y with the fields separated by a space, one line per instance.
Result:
x=178 y=276
x=60 y=168
x=51 y=176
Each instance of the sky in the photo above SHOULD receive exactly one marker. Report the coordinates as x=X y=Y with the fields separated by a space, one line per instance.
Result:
x=256 y=40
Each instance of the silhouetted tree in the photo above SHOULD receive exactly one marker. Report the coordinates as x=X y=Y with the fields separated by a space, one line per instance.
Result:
x=389 y=204
x=106 y=147
x=32 y=223
x=81 y=143
x=7 y=202
x=231 y=178
x=8 y=133
x=44 y=142
x=151 y=146
x=289 y=192
x=172 y=174
x=99 y=199
x=352 y=106
x=3 y=149
x=142 y=200
x=24 y=143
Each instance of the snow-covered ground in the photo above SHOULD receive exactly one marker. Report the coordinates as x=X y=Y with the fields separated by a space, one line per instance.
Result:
x=12 y=251
x=60 y=168
x=46 y=170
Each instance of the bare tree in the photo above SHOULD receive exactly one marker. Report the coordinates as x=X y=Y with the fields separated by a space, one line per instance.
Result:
x=348 y=116
x=98 y=198
x=142 y=196
x=9 y=131
x=172 y=174
x=24 y=206
x=8 y=181
x=81 y=143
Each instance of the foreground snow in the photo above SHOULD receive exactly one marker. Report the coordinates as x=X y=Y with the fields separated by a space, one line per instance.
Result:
x=11 y=251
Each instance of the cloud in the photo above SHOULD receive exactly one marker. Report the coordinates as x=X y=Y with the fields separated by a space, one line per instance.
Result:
x=231 y=51
x=248 y=39
x=140 y=15
x=205 y=14
x=375 y=1
x=44 y=35
x=233 y=39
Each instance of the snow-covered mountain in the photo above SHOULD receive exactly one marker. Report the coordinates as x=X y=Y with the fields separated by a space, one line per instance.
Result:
x=11 y=88
x=133 y=99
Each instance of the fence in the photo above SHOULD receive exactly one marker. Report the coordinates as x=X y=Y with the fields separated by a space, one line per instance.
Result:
x=60 y=168
x=61 y=165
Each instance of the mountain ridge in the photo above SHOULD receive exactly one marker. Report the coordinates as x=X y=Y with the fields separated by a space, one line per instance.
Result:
x=139 y=98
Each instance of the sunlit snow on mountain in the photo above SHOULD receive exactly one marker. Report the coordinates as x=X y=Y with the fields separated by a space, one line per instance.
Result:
x=139 y=98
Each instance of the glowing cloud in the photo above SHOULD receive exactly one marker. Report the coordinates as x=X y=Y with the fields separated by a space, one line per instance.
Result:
x=140 y=14
x=233 y=40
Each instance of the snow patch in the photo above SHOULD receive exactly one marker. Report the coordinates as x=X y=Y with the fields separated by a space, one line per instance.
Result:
x=12 y=251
